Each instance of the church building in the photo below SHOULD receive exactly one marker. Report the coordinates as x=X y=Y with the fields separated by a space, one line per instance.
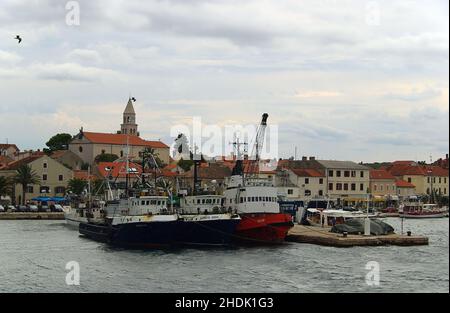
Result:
x=89 y=145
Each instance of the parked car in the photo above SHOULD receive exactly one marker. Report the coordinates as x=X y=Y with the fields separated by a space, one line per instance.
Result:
x=33 y=208
x=22 y=208
x=44 y=208
x=2 y=209
x=12 y=208
x=56 y=208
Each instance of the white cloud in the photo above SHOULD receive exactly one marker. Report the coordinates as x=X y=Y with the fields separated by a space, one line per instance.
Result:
x=315 y=65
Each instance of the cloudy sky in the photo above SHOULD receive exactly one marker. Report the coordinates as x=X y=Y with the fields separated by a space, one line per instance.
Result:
x=342 y=79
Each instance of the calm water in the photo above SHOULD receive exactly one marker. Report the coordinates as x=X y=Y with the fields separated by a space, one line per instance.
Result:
x=33 y=255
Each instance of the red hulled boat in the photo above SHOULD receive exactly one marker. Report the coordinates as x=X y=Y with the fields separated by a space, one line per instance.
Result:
x=255 y=200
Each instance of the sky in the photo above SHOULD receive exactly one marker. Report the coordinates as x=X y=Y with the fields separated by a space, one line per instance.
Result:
x=340 y=79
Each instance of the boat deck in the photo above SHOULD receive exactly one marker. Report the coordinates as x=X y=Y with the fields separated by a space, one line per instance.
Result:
x=323 y=236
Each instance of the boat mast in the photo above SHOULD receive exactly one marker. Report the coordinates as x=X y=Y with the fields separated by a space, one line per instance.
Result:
x=127 y=168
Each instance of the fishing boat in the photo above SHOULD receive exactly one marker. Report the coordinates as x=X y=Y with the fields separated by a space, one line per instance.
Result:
x=256 y=201
x=146 y=222
x=143 y=219
x=420 y=210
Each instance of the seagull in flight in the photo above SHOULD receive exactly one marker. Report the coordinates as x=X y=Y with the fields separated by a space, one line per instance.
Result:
x=18 y=38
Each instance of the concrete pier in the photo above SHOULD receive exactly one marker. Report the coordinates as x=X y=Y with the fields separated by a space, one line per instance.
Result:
x=322 y=236
x=32 y=216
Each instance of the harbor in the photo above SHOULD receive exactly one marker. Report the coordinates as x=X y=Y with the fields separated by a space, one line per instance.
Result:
x=32 y=216
x=323 y=236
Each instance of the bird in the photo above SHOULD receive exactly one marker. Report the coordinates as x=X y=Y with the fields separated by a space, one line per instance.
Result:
x=134 y=99
x=18 y=38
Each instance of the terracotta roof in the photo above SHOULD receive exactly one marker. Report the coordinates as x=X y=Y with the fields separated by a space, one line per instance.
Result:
x=381 y=174
x=403 y=184
x=5 y=159
x=417 y=170
x=16 y=164
x=307 y=172
x=80 y=174
x=58 y=153
x=118 y=169
x=211 y=172
x=121 y=139
x=7 y=145
x=405 y=169
x=435 y=170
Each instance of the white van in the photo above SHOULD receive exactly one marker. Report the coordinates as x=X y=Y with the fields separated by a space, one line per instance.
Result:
x=2 y=209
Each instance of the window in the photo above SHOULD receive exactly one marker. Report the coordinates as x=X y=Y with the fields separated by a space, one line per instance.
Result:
x=353 y=173
x=345 y=186
x=30 y=189
x=306 y=180
x=439 y=180
x=103 y=151
x=320 y=192
x=381 y=187
x=242 y=199
x=434 y=180
x=80 y=148
x=249 y=199
x=330 y=173
x=121 y=153
x=338 y=173
x=60 y=189
x=321 y=181
x=45 y=189
x=338 y=186
x=374 y=187
x=44 y=165
x=445 y=191
x=330 y=186
x=346 y=173
x=60 y=177
x=307 y=192
x=44 y=177
x=409 y=179
x=445 y=180
x=290 y=191
x=361 y=187
x=428 y=179
x=353 y=187
x=361 y=174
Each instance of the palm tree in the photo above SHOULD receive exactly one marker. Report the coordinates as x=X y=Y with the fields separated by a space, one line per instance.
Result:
x=26 y=176
x=5 y=186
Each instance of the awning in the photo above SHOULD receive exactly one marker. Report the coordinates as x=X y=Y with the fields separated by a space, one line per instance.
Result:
x=54 y=199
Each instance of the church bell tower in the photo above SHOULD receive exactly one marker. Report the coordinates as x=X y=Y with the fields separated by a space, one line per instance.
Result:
x=129 y=126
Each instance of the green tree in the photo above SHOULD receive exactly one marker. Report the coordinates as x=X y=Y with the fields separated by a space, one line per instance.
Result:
x=25 y=176
x=106 y=157
x=5 y=186
x=58 y=142
x=77 y=185
x=150 y=156
x=185 y=164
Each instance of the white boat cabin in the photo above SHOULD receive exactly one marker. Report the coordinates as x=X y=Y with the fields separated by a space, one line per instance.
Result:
x=145 y=205
x=202 y=204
